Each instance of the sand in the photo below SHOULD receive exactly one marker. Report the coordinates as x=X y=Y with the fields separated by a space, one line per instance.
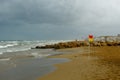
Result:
x=95 y=63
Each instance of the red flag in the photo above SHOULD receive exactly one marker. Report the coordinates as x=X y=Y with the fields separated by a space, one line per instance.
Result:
x=91 y=36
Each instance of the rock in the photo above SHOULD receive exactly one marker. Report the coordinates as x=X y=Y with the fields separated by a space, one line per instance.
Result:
x=97 y=44
x=103 y=44
x=63 y=45
x=73 y=44
x=37 y=47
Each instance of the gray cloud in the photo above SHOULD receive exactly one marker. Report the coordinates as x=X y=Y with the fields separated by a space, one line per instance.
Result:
x=58 y=19
x=38 y=11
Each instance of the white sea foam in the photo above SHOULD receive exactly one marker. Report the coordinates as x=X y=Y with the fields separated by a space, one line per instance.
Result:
x=39 y=55
x=3 y=46
x=7 y=45
x=1 y=53
x=5 y=59
x=16 y=50
x=34 y=54
x=14 y=46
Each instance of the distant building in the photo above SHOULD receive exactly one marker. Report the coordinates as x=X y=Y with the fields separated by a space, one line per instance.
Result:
x=108 y=38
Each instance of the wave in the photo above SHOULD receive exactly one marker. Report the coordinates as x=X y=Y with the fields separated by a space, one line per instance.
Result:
x=8 y=45
x=37 y=55
x=1 y=53
x=15 y=46
x=5 y=59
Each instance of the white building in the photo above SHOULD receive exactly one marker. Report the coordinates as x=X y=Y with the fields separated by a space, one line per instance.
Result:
x=108 y=39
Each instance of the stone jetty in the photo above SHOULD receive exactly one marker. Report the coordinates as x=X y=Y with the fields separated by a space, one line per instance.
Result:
x=98 y=41
x=62 y=45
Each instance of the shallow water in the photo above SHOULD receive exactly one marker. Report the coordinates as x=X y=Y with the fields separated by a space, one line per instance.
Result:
x=27 y=69
x=28 y=65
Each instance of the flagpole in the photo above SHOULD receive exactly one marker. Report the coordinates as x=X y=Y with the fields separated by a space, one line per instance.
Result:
x=90 y=38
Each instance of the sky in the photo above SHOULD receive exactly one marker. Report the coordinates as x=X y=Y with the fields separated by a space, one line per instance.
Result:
x=58 y=19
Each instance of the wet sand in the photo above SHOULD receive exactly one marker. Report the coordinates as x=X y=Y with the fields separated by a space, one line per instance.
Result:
x=28 y=65
x=96 y=63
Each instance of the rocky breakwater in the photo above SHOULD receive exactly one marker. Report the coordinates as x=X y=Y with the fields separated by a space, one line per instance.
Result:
x=62 y=45
x=107 y=41
x=74 y=44
x=106 y=44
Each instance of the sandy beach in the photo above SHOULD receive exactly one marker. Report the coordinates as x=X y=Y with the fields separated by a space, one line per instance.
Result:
x=95 y=63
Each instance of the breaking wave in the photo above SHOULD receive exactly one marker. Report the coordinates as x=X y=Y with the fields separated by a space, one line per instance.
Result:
x=14 y=46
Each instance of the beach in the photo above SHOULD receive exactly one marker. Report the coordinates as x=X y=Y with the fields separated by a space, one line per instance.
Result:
x=87 y=63
x=28 y=65
x=80 y=63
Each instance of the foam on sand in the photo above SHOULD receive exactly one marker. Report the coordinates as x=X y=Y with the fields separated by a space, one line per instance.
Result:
x=5 y=59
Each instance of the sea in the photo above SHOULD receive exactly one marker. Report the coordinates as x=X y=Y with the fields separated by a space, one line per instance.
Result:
x=14 y=46
x=19 y=62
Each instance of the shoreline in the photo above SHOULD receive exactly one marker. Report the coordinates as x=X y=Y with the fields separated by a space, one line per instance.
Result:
x=101 y=63
x=27 y=65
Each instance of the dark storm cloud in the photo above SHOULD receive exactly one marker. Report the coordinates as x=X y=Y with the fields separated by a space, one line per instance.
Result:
x=37 y=11
x=58 y=19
